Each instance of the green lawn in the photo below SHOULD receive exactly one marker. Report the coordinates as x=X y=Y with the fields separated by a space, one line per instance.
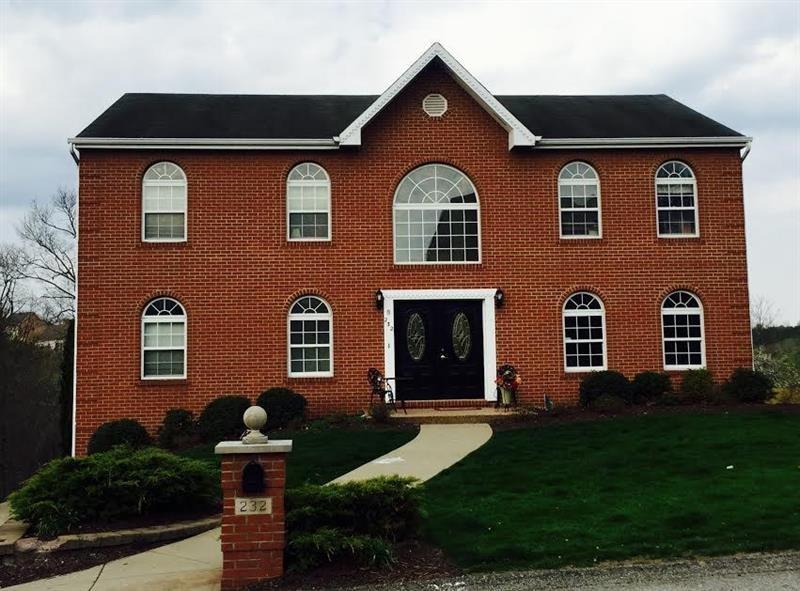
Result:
x=586 y=492
x=320 y=454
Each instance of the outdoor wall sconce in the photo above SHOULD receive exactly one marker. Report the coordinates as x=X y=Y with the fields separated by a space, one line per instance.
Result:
x=499 y=298
x=379 y=300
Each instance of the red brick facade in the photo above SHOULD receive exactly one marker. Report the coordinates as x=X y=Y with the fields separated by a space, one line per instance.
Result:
x=236 y=274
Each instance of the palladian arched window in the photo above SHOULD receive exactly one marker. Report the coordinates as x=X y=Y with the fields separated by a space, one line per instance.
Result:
x=579 y=201
x=436 y=217
x=682 y=329
x=584 y=333
x=308 y=203
x=676 y=200
x=164 y=339
x=310 y=338
x=164 y=203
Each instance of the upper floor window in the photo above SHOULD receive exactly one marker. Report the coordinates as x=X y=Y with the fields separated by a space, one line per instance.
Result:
x=310 y=338
x=584 y=333
x=682 y=326
x=579 y=201
x=308 y=203
x=436 y=215
x=164 y=203
x=676 y=200
x=164 y=339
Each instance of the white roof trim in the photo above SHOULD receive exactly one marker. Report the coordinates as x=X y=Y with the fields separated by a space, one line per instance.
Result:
x=200 y=143
x=638 y=142
x=518 y=134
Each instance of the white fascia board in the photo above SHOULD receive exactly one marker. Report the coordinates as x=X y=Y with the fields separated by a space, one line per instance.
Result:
x=518 y=134
x=644 y=142
x=204 y=143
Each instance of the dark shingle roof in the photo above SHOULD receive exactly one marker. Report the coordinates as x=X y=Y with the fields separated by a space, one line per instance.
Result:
x=232 y=116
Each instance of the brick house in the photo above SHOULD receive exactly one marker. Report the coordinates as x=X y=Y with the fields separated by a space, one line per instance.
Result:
x=229 y=243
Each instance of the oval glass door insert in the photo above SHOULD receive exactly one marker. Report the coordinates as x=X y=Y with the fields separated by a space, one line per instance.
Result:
x=462 y=336
x=415 y=337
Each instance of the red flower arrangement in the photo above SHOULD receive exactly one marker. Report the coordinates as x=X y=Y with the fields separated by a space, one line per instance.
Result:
x=508 y=378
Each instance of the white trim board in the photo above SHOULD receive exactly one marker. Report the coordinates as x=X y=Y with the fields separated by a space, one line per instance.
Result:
x=487 y=316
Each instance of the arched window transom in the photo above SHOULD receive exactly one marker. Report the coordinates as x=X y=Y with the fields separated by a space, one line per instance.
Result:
x=308 y=203
x=682 y=327
x=676 y=200
x=584 y=333
x=310 y=338
x=579 y=201
x=164 y=339
x=164 y=203
x=436 y=217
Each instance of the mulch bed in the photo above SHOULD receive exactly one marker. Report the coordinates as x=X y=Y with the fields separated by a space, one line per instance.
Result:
x=415 y=561
x=32 y=566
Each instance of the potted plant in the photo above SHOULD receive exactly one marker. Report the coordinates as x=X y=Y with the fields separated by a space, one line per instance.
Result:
x=508 y=382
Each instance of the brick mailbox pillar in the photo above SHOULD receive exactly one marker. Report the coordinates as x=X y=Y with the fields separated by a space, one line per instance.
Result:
x=253 y=526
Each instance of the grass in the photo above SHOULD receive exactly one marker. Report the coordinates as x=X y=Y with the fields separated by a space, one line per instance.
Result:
x=322 y=453
x=654 y=487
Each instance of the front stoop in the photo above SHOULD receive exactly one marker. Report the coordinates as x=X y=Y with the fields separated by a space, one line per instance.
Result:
x=442 y=416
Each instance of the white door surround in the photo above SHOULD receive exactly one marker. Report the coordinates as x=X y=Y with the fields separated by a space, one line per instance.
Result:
x=487 y=308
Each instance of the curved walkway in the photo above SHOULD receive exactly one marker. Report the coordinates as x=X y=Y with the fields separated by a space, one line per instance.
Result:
x=196 y=563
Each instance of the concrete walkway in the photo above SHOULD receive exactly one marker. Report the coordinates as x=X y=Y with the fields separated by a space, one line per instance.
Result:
x=196 y=563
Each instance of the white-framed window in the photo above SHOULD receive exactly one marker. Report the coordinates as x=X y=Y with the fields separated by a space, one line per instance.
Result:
x=584 y=333
x=436 y=217
x=310 y=330
x=163 y=340
x=676 y=200
x=164 y=203
x=682 y=331
x=308 y=203
x=579 y=201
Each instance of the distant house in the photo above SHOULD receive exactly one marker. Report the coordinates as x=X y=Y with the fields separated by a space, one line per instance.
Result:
x=31 y=328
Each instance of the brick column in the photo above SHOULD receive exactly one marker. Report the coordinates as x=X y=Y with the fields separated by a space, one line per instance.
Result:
x=252 y=541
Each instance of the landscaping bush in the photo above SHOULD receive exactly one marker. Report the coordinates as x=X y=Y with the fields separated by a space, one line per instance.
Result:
x=379 y=412
x=119 y=432
x=747 y=385
x=598 y=383
x=357 y=520
x=608 y=403
x=650 y=385
x=177 y=430
x=785 y=396
x=118 y=484
x=697 y=386
x=221 y=419
x=285 y=408
x=778 y=367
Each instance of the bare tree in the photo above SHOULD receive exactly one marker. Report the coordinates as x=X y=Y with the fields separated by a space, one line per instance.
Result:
x=10 y=275
x=762 y=312
x=48 y=234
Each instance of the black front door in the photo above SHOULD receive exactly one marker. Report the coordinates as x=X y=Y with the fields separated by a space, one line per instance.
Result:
x=439 y=349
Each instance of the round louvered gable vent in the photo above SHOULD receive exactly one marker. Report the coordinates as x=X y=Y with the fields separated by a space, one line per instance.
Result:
x=435 y=105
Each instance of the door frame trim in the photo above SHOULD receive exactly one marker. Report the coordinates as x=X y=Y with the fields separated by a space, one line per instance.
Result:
x=390 y=296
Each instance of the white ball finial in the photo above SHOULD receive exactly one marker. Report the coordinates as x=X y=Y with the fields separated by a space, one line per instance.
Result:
x=254 y=418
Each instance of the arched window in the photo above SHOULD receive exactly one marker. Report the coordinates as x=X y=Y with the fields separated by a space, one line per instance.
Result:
x=164 y=339
x=436 y=216
x=308 y=203
x=584 y=333
x=164 y=203
x=682 y=330
x=579 y=201
x=676 y=200
x=310 y=338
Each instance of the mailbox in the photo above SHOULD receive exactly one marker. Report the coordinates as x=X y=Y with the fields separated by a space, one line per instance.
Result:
x=253 y=478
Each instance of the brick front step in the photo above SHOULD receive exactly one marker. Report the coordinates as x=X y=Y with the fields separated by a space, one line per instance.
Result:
x=452 y=415
x=450 y=403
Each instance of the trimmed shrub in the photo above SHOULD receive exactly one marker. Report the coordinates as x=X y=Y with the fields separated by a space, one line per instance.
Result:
x=668 y=400
x=118 y=484
x=607 y=403
x=119 y=432
x=285 y=408
x=598 y=383
x=221 y=419
x=697 y=386
x=650 y=385
x=328 y=544
x=746 y=385
x=379 y=412
x=785 y=396
x=177 y=430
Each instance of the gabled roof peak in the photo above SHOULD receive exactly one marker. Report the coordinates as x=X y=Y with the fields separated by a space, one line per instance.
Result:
x=518 y=134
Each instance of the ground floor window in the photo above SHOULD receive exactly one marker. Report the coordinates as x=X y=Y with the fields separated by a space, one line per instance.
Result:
x=682 y=326
x=164 y=339
x=310 y=338
x=584 y=333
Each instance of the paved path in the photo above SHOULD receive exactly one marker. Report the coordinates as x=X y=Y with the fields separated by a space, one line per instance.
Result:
x=196 y=563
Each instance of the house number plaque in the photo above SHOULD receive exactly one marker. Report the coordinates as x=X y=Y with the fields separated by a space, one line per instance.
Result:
x=253 y=505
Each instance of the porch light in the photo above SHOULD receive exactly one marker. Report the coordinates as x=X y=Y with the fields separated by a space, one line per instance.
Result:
x=379 y=300
x=499 y=298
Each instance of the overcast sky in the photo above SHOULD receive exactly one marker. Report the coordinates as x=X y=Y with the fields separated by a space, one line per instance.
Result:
x=64 y=62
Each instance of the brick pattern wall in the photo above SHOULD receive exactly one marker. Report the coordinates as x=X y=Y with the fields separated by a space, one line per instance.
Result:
x=237 y=275
x=252 y=545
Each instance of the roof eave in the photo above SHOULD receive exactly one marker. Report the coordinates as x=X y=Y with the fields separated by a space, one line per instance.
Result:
x=641 y=142
x=205 y=143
